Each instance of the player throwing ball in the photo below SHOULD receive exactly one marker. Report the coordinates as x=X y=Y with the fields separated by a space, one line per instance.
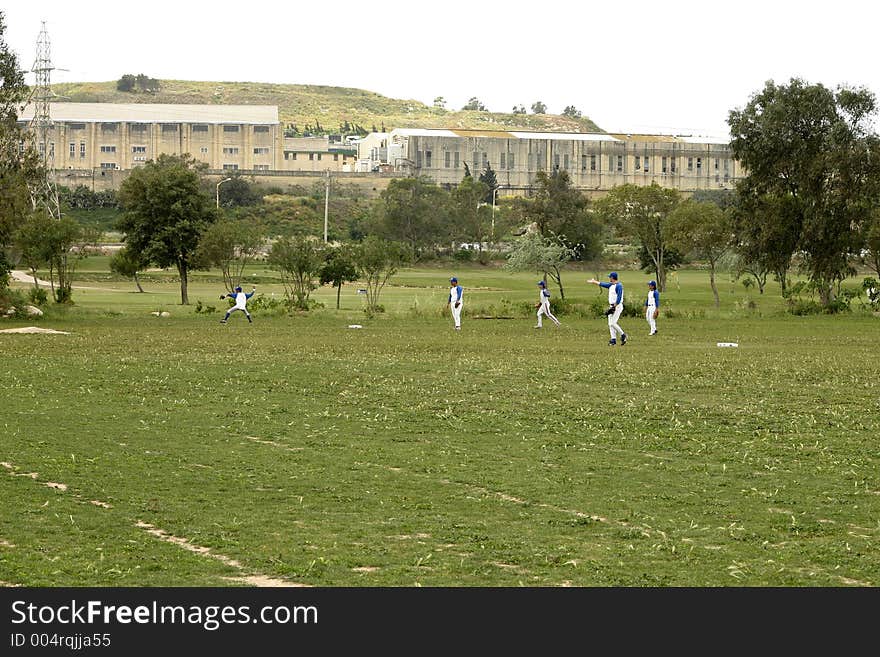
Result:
x=240 y=303
x=615 y=306
x=543 y=304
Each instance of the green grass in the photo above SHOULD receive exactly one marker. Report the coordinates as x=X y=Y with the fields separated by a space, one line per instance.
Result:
x=407 y=454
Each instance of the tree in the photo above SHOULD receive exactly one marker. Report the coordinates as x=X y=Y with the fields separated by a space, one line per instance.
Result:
x=439 y=103
x=571 y=112
x=377 y=261
x=489 y=179
x=546 y=255
x=871 y=232
x=126 y=83
x=519 y=109
x=166 y=212
x=229 y=245
x=703 y=228
x=19 y=163
x=558 y=209
x=124 y=263
x=414 y=211
x=643 y=213
x=299 y=260
x=539 y=108
x=468 y=211
x=812 y=152
x=475 y=105
x=339 y=268
x=238 y=192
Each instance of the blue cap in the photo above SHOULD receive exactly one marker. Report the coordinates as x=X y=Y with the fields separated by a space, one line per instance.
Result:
x=453 y=280
x=613 y=275
x=542 y=283
x=652 y=283
x=238 y=289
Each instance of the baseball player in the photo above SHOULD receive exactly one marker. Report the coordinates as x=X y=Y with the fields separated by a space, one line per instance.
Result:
x=652 y=306
x=240 y=303
x=543 y=304
x=455 y=301
x=615 y=309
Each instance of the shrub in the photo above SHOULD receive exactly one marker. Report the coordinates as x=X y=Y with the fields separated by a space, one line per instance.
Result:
x=38 y=296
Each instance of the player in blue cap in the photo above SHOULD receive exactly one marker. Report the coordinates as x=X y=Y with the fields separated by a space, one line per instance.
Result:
x=652 y=306
x=456 y=295
x=240 y=303
x=543 y=304
x=615 y=306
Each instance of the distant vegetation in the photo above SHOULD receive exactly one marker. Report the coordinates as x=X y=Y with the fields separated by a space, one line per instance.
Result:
x=328 y=107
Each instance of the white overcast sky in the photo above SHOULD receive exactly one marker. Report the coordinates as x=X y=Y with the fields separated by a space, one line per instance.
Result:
x=667 y=66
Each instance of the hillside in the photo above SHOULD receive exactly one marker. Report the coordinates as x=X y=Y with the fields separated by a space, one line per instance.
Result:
x=303 y=105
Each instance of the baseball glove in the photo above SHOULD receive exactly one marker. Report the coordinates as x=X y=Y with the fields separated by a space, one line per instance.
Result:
x=222 y=296
x=656 y=314
x=610 y=311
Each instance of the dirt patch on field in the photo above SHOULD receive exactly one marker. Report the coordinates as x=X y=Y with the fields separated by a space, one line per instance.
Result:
x=6 y=544
x=186 y=544
x=34 y=329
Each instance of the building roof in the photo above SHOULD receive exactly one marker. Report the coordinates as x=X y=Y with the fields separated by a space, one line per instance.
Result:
x=503 y=134
x=157 y=113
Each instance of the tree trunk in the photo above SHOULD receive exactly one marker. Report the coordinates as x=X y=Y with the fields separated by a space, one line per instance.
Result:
x=182 y=270
x=338 y=294
x=137 y=282
x=712 y=283
x=559 y=280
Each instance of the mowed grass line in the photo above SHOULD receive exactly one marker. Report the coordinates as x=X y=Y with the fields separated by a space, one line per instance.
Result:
x=405 y=454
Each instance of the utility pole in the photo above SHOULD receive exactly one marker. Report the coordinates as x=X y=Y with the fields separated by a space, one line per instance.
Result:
x=44 y=193
x=326 y=204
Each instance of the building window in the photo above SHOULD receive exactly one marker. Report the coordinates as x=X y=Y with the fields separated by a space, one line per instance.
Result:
x=139 y=158
x=447 y=158
x=503 y=161
x=510 y=164
x=72 y=149
x=456 y=163
x=620 y=164
x=82 y=149
x=261 y=128
x=638 y=163
x=592 y=163
x=717 y=163
x=261 y=167
x=663 y=164
x=76 y=126
x=690 y=164
x=336 y=157
x=230 y=150
x=672 y=165
x=230 y=128
x=137 y=127
x=51 y=149
x=290 y=156
x=485 y=160
x=261 y=150
x=230 y=167
x=108 y=149
x=428 y=159
x=476 y=161
x=565 y=161
x=199 y=127
x=108 y=127
x=203 y=150
x=169 y=127
x=646 y=164
x=319 y=157
x=699 y=165
x=138 y=149
x=108 y=165
x=311 y=156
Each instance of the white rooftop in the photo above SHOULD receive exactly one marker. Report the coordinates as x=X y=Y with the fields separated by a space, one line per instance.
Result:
x=157 y=113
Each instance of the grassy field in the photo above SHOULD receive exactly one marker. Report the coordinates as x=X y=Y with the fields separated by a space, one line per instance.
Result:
x=142 y=451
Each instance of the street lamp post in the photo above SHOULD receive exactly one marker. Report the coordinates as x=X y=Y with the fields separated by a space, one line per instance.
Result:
x=218 y=190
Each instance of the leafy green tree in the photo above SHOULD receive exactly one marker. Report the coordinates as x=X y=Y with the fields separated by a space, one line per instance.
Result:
x=571 y=112
x=19 y=163
x=519 y=109
x=31 y=241
x=238 y=192
x=813 y=152
x=414 y=211
x=229 y=245
x=704 y=229
x=468 y=211
x=439 y=103
x=126 y=83
x=124 y=263
x=643 y=213
x=377 y=261
x=871 y=232
x=489 y=179
x=475 y=105
x=339 y=268
x=166 y=212
x=559 y=210
x=543 y=254
x=539 y=108
x=298 y=259
x=767 y=230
